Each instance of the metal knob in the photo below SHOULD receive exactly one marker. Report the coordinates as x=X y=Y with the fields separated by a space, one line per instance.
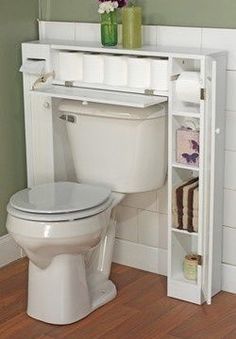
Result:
x=218 y=131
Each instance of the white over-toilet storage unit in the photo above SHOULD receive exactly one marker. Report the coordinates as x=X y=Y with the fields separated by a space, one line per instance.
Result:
x=141 y=78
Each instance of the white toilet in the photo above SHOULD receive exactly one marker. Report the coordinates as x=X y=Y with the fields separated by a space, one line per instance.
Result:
x=66 y=229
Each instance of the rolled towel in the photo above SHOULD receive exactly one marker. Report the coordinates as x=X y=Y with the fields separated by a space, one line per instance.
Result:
x=178 y=200
x=188 y=201
x=195 y=224
x=196 y=200
x=195 y=209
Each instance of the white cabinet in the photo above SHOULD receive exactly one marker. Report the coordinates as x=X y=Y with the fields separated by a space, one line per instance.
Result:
x=208 y=113
x=203 y=72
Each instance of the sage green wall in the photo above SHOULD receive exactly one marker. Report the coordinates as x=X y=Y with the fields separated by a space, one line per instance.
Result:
x=17 y=24
x=207 y=13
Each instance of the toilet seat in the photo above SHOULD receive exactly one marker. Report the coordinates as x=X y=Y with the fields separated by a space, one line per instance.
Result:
x=61 y=201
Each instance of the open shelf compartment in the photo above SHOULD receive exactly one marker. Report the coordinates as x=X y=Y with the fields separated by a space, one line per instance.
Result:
x=189 y=162
x=179 y=177
x=182 y=245
x=185 y=76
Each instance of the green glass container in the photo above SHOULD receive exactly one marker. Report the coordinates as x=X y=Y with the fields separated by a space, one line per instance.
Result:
x=132 y=27
x=109 y=29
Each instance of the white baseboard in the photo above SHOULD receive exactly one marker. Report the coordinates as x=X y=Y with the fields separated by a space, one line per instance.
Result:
x=155 y=260
x=229 y=278
x=146 y=258
x=9 y=251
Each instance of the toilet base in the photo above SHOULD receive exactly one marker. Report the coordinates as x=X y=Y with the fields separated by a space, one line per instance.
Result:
x=59 y=294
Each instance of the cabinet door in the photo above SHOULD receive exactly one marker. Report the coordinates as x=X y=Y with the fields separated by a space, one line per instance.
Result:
x=213 y=177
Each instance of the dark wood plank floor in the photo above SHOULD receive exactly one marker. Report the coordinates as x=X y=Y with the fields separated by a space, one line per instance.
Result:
x=141 y=310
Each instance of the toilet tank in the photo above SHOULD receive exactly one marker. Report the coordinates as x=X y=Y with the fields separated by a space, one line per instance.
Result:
x=120 y=147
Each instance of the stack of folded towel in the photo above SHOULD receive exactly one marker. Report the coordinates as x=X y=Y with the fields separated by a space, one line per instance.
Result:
x=185 y=205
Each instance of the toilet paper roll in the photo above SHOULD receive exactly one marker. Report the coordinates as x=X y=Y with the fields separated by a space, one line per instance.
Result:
x=93 y=68
x=188 y=87
x=159 y=74
x=139 y=72
x=115 y=70
x=34 y=67
x=70 y=66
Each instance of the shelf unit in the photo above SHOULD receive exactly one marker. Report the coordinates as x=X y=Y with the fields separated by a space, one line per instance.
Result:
x=40 y=106
x=206 y=243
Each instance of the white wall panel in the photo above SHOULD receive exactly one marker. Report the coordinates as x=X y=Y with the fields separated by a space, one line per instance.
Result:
x=87 y=32
x=229 y=246
x=230 y=170
x=152 y=229
x=162 y=201
x=223 y=39
x=230 y=132
x=150 y=35
x=231 y=90
x=179 y=36
x=230 y=208
x=57 y=30
x=229 y=278
x=146 y=201
x=143 y=257
x=127 y=223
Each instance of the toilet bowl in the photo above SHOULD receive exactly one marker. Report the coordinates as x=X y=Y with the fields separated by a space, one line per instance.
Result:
x=67 y=230
x=62 y=227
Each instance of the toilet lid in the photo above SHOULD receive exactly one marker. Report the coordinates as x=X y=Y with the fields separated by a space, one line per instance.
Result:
x=61 y=197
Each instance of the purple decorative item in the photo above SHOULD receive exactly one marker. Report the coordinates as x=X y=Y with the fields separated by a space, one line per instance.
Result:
x=195 y=145
x=121 y=3
x=187 y=147
x=190 y=158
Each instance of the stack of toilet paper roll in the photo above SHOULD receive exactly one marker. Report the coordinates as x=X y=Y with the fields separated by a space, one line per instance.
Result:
x=93 y=67
x=113 y=70
x=70 y=66
x=185 y=205
x=139 y=71
x=159 y=74
x=148 y=73
x=76 y=66
x=188 y=87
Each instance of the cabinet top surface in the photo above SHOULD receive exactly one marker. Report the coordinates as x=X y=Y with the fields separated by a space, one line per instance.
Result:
x=146 y=50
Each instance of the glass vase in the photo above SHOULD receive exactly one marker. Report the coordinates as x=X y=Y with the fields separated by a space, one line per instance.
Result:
x=109 y=29
x=131 y=27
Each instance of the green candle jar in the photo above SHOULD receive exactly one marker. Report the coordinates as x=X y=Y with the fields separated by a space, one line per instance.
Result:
x=109 y=29
x=132 y=27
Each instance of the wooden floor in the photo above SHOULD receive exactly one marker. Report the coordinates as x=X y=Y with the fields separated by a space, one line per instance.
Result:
x=141 y=310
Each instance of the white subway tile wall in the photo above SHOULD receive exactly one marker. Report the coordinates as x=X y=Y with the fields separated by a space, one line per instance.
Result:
x=128 y=223
x=51 y=30
x=87 y=32
x=179 y=36
x=142 y=218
